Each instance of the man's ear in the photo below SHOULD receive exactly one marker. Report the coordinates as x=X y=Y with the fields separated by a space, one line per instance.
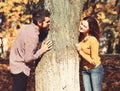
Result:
x=39 y=24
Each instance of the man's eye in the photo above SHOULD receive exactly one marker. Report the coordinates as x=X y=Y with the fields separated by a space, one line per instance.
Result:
x=48 y=21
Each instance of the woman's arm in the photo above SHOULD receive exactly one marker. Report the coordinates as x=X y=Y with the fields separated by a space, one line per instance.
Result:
x=94 y=50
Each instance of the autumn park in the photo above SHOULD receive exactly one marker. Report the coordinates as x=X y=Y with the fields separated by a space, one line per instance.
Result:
x=59 y=69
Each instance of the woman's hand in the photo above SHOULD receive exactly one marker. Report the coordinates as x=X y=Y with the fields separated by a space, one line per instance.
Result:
x=78 y=48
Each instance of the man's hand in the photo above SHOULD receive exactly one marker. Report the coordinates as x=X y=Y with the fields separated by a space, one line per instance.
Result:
x=46 y=46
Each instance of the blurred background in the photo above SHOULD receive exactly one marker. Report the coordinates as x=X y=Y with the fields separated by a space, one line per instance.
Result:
x=15 y=13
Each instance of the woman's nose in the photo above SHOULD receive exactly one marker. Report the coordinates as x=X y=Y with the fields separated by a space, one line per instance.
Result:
x=80 y=27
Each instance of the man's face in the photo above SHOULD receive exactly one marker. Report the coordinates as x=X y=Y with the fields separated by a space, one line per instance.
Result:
x=46 y=23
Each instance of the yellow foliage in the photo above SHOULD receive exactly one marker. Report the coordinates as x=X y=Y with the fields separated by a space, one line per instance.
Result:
x=35 y=1
x=14 y=15
x=6 y=10
x=106 y=20
x=25 y=1
x=112 y=2
x=9 y=2
x=18 y=8
x=25 y=17
x=99 y=6
x=118 y=28
x=109 y=8
x=1 y=10
x=87 y=12
x=2 y=4
x=101 y=15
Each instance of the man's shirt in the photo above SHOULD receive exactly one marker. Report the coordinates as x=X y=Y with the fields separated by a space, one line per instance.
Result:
x=24 y=49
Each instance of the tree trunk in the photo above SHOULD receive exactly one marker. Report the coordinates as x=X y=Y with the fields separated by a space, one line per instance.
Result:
x=58 y=69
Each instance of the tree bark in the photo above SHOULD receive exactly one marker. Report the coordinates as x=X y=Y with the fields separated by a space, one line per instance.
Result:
x=58 y=69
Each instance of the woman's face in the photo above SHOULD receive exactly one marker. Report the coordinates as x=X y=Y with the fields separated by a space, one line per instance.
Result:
x=84 y=27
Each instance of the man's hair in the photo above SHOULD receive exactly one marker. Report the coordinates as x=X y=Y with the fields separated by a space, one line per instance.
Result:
x=39 y=15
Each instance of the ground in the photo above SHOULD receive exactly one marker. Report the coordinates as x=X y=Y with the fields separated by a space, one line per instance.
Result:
x=111 y=82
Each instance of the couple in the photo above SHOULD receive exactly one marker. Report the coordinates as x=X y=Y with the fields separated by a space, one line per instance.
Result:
x=25 y=50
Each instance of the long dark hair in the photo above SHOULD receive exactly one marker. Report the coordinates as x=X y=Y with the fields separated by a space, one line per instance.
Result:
x=94 y=29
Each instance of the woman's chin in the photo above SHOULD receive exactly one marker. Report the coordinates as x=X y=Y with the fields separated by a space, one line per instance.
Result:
x=81 y=31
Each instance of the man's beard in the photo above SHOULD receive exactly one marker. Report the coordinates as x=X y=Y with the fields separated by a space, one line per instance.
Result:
x=43 y=34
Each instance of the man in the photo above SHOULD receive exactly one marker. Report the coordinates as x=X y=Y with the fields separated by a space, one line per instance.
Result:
x=25 y=49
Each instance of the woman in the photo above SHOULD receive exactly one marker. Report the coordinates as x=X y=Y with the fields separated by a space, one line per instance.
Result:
x=88 y=48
